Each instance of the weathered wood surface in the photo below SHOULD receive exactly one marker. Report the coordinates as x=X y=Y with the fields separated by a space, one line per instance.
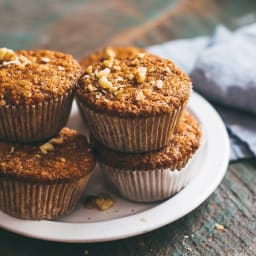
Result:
x=80 y=27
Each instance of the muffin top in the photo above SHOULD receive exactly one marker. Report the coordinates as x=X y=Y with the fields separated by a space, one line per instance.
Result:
x=66 y=157
x=130 y=82
x=29 y=77
x=181 y=147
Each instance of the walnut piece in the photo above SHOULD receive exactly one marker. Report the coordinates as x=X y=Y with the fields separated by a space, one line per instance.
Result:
x=7 y=55
x=139 y=95
x=58 y=140
x=106 y=84
x=159 y=84
x=110 y=52
x=103 y=201
x=60 y=68
x=63 y=159
x=46 y=147
x=103 y=73
x=45 y=59
x=219 y=227
x=109 y=62
x=141 y=55
x=89 y=70
x=12 y=150
x=141 y=74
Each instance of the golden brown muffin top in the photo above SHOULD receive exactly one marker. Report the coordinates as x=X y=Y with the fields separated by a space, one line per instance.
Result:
x=29 y=77
x=181 y=147
x=63 y=158
x=130 y=82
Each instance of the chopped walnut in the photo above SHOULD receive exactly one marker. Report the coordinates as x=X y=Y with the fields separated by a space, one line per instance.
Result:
x=109 y=62
x=45 y=59
x=63 y=159
x=103 y=202
x=110 y=53
x=58 y=140
x=46 y=147
x=7 y=55
x=24 y=60
x=91 y=88
x=159 y=84
x=148 y=92
x=60 y=68
x=106 y=84
x=139 y=95
x=141 y=55
x=103 y=73
x=130 y=76
x=135 y=62
x=118 y=68
x=219 y=227
x=141 y=74
x=168 y=69
x=89 y=70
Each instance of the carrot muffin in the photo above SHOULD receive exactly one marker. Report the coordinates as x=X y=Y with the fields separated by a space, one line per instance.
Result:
x=132 y=100
x=153 y=176
x=36 y=93
x=44 y=181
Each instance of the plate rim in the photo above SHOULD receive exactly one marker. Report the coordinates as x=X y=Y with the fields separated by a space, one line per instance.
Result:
x=40 y=229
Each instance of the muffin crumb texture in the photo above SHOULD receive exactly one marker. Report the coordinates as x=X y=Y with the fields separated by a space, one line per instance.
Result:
x=29 y=77
x=65 y=157
x=130 y=82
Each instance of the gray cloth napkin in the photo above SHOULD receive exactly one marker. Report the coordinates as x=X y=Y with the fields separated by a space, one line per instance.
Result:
x=223 y=69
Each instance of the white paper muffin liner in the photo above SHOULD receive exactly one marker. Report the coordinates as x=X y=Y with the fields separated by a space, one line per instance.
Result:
x=30 y=200
x=136 y=135
x=151 y=185
x=30 y=123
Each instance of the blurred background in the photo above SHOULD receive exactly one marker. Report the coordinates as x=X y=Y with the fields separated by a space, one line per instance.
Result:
x=81 y=26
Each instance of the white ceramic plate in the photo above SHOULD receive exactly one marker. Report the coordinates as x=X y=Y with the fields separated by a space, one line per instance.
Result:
x=126 y=218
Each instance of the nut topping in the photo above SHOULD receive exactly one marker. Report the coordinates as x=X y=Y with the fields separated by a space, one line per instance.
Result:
x=141 y=74
x=46 y=147
x=103 y=73
x=45 y=59
x=139 y=95
x=159 y=84
x=110 y=52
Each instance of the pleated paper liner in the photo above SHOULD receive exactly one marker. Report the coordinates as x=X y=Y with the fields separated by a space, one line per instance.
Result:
x=30 y=200
x=25 y=124
x=133 y=134
x=148 y=185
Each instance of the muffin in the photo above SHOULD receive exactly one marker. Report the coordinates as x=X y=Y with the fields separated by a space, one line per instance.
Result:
x=44 y=181
x=132 y=100
x=36 y=92
x=154 y=176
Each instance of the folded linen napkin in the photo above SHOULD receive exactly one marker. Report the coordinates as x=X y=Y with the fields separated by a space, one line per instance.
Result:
x=222 y=68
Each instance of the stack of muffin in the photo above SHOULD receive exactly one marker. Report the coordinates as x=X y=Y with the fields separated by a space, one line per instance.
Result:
x=135 y=105
x=43 y=168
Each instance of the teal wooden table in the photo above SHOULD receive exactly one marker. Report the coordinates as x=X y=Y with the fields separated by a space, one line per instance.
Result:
x=80 y=27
